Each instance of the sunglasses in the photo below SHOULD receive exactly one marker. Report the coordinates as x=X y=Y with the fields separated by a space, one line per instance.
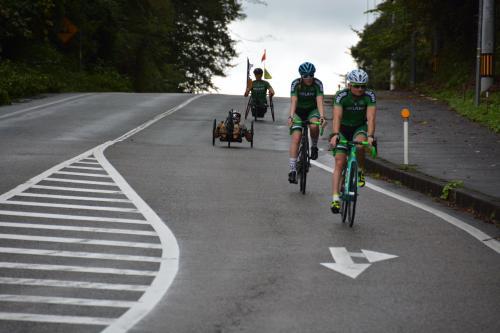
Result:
x=307 y=76
x=359 y=86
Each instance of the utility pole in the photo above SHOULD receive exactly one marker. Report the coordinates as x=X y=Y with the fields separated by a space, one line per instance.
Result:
x=487 y=44
x=477 y=98
x=393 y=62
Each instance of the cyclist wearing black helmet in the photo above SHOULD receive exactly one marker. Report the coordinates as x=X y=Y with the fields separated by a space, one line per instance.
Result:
x=259 y=89
x=306 y=104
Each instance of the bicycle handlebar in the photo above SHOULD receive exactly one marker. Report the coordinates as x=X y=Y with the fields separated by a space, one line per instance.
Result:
x=373 y=149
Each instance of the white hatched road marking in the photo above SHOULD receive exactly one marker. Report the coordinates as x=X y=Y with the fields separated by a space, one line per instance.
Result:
x=80 y=320
x=70 y=197
x=65 y=301
x=91 y=160
x=81 y=241
x=80 y=269
x=45 y=204
x=72 y=284
x=83 y=255
x=76 y=181
x=72 y=228
x=75 y=189
x=82 y=174
x=73 y=217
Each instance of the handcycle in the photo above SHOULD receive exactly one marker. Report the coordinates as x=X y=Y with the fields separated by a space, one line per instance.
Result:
x=259 y=110
x=304 y=160
x=349 y=187
x=230 y=130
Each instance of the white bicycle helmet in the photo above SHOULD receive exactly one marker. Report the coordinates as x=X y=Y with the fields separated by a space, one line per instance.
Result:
x=358 y=76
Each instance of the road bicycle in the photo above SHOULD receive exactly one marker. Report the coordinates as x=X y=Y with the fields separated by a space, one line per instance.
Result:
x=349 y=187
x=303 y=160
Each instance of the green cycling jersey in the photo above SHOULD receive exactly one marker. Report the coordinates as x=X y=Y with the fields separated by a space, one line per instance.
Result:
x=259 y=91
x=353 y=107
x=306 y=95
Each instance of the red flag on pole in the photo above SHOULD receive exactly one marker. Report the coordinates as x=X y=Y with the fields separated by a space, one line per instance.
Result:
x=263 y=56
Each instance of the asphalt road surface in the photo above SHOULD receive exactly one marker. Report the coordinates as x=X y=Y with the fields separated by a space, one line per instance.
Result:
x=159 y=231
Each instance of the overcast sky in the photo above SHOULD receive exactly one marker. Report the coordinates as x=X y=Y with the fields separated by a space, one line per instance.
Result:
x=294 y=31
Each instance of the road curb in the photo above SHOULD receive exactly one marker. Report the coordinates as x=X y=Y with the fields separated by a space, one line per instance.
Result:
x=481 y=205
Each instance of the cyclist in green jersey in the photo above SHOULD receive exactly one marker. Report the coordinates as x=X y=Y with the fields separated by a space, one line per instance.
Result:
x=258 y=88
x=306 y=104
x=353 y=119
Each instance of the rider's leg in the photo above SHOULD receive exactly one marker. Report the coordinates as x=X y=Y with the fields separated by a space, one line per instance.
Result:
x=360 y=155
x=294 y=152
x=314 y=130
x=340 y=160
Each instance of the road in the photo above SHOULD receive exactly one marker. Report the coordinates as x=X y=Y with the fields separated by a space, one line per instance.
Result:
x=158 y=231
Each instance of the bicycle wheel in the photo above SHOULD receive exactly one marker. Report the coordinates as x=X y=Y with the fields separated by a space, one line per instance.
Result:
x=251 y=130
x=353 y=193
x=213 y=132
x=304 y=163
x=272 y=109
x=248 y=107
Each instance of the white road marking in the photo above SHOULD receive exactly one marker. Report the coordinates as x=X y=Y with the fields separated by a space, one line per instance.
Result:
x=81 y=241
x=17 y=113
x=70 y=197
x=80 y=269
x=73 y=217
x=484 y=238
x=73 y=228
x=54 y=205
x=97 y=175
x=344 y=264
x=76 y=181
x=82 y=255
x=83 y=168
x=72 y=284
x=74 y=189
x=89 y=163
x=170 y=254
x=66 y=301
x=97 y=321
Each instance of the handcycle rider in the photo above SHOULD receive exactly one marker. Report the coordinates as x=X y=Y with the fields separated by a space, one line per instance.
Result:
x=306 y=104
x=354 y=113
x=258 y=88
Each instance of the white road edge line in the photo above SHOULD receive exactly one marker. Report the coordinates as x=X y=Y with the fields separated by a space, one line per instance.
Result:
x=72 y=284
x=16 y=113
x=76 y=320
x=474 y=232
x=65 y=301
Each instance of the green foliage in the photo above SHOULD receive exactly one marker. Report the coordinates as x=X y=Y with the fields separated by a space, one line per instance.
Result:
x=451 y=185
x=161 y=45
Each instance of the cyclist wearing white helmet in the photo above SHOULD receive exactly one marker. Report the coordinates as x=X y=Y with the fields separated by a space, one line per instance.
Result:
x=306 y=104
x=353 y=119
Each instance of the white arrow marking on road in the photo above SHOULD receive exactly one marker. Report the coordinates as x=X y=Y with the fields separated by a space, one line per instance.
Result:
x=344 y=264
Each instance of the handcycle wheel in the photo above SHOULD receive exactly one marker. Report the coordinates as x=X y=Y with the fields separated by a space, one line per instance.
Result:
x=248 y=107
x=213 y=132
x=353 y=189
x=272 y=109
x=251 y=130
x=304 y=166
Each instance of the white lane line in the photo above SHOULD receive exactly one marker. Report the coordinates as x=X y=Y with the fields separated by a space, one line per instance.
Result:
x=80 y=241
x=82 y=255
x=70 y=197
x=73 y=228
x=88 y=163
x=84 y=168
x=73 y=217
x=89 y=158
x=76 y=181
x=54 y=205
x=74 y=189
x=75 y=320
x=16 y=113
x=72 y=284
x=476 y=233
x=79 y=269
x=96 y=175
x=66 y=301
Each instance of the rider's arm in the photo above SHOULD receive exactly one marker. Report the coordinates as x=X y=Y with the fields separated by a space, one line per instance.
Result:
x=293 y=105
x=249 y=87
x=271 y=91
x=337 y=118
x=321 y=108
x=370 y=117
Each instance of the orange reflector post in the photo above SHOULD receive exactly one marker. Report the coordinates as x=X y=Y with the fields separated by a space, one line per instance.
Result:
x=405 y=113
x=487 y=67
